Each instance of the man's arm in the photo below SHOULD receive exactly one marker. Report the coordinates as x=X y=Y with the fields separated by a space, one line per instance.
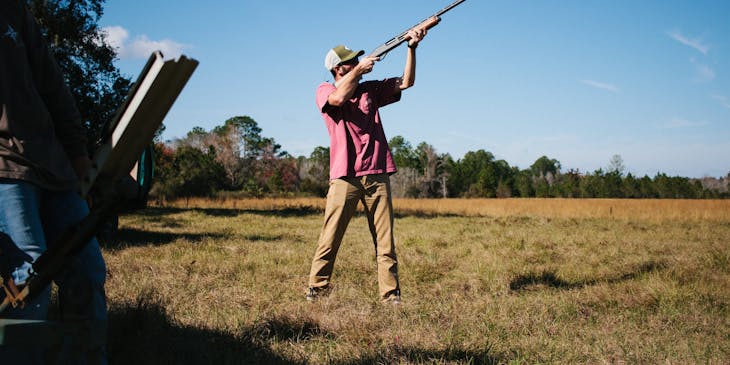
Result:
x=347 y=85
x=52 y=87
x=409 y=73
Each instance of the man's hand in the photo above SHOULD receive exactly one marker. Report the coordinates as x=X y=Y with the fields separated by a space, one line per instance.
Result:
x=415 y=35
x=366 y=65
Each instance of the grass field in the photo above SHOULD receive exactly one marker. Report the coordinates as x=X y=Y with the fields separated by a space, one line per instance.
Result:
x=484 y=281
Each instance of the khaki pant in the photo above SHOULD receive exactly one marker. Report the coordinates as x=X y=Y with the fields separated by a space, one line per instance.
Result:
x=342 y=199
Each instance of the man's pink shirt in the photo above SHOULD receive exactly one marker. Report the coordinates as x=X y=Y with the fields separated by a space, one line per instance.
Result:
x=358 y=145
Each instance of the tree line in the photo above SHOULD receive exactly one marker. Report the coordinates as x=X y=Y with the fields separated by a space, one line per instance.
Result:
x=236 y=159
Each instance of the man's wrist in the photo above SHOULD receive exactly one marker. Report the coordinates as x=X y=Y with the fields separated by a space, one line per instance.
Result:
x=412 y=46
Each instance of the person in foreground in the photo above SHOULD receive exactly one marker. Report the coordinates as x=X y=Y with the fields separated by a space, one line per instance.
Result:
x=360 y=162
x=43 y=156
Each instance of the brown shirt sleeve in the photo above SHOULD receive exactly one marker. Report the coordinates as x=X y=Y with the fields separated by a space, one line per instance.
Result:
x=40 y=127
x=51 y=86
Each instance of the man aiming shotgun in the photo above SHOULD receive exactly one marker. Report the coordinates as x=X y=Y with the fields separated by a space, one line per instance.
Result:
x=360 y=159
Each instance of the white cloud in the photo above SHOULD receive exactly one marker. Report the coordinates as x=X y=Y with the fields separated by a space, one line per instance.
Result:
x=115 y=36
x=675 y=123
x=141 y=46
x=603 y=86
x=695 y=43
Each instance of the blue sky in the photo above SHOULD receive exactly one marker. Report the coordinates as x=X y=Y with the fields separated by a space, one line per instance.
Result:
x=575 y=80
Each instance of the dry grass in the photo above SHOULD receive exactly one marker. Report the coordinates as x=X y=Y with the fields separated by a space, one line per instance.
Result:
x=645 y=209
x=484 y=281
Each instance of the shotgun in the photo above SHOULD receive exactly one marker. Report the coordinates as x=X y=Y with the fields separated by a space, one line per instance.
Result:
x=427 y=23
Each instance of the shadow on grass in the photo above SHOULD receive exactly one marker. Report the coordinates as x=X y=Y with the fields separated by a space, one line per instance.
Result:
x=424 y=214
x=146 y=335
x=283 y=212
x=549 y=279
x=231 y=212
x=130 y=237
x=262 y=237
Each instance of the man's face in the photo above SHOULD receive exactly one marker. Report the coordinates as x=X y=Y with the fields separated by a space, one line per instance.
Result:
x=345 y=67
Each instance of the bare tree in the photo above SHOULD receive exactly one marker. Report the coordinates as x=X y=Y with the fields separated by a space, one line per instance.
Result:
x=616 y=165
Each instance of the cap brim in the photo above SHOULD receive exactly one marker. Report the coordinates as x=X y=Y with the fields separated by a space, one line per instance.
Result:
x=353 y=55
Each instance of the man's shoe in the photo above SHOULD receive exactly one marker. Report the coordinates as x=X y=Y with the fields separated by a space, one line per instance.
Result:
x=393 y=300
x=313 y=294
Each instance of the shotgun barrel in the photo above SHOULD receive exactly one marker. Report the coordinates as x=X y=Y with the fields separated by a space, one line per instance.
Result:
x=427 y=23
